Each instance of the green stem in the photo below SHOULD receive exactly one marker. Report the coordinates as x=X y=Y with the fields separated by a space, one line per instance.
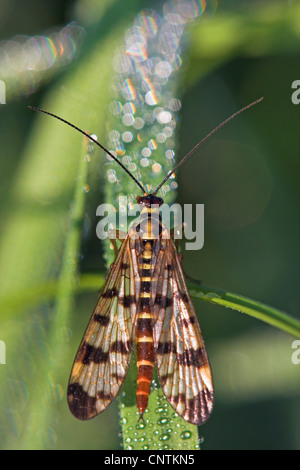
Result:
x=215 y=295
x=91 y=282
x=256 y=309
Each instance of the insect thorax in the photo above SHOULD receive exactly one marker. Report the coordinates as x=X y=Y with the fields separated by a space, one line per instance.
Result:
x=150 y=224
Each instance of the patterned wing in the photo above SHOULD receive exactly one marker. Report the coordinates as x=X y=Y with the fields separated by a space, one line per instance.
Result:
x=104 y=354
x=181 y=357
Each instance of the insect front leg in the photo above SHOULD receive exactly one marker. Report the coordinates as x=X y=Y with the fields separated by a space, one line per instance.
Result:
x=114 y=235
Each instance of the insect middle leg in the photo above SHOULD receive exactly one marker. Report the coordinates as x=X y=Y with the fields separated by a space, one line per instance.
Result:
x=178 y=231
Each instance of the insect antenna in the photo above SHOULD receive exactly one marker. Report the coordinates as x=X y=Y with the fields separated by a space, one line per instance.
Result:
x=204 y=140
x=94 y=140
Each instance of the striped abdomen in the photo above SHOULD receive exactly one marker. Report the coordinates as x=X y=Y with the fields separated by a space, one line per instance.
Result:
x=144 y=331
x=144 y=326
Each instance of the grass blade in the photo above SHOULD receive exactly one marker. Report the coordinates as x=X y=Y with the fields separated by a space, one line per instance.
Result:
x=270 y=315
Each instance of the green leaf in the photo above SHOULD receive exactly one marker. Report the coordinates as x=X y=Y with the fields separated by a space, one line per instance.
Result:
x=256 y=309
x=162 y=428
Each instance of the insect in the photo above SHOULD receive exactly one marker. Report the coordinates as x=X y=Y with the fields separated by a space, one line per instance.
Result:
x=145 y=301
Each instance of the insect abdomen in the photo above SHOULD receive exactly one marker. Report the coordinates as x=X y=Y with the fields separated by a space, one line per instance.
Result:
x=144 y=333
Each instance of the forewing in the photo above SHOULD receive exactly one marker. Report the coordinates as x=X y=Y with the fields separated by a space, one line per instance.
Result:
x=181 y=357
x=104 y=354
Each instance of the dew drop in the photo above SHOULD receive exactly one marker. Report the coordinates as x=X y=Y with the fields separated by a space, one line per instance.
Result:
x=127 y=136
x=163 y=421
x=164 y=117
x=139 y=123
x=128 y=119
x=159 y=410
x=156 y=168
x=170 y=154
x=140 y=425
x=144 y=162
x=152 y=144
x=151 y=98
x=165 y=437
x=86 y=188
x=115 y=108
x=129 y=108
x=146 y=152
x=185 y=435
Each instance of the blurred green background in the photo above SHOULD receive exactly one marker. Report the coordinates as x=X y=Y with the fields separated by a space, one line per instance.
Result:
x=247 y=177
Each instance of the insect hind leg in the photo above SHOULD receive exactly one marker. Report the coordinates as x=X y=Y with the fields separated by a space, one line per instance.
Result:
x=191 y=279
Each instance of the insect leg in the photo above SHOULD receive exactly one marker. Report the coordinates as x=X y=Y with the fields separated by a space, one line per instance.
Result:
x=178 y=231
x=114 y=235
